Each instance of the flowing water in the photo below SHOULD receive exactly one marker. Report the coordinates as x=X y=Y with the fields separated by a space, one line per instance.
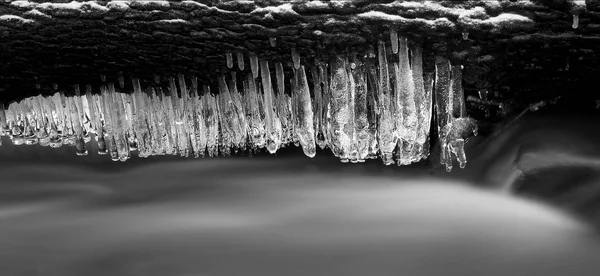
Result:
x=507 y=213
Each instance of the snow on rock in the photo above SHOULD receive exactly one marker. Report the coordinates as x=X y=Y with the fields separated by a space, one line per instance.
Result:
x=23 y=4
x=174 y=21
x=73 y=5
x=36 y=12
x=152 y=3
x=281 y=9
x=14 y=18
x=505 y=20
x=377 y=15
x=118 y=5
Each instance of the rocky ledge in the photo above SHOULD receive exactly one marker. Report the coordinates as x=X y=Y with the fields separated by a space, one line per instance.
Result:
x=514 y=52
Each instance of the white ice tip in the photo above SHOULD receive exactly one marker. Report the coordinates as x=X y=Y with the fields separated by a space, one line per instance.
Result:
x=465 y=35
x=103 y=78
x=240 y=60
x=254 y=65
x=575 y=21
x=121 y=81
x=156 y=79
x=55 y=86
x=229 y=60
x=295 y=58
x=394 y=40
x=273 y=41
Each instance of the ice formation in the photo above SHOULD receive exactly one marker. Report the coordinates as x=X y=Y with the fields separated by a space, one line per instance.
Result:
x=359 y=105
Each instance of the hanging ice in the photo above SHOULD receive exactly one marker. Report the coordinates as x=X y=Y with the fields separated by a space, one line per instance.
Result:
x=295 y=58
x=339 y=112
x=423 y=104
x=387 y=130
x=304 y=123
x=406 y=107
x=394 y=41
x=272 y=124
x=575 y=21
x=229 y=58
x=443 y=105
x=361 y=123
x=240 y=60
x=254 y=65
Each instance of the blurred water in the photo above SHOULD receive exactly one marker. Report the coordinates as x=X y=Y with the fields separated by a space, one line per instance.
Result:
x=291 y=215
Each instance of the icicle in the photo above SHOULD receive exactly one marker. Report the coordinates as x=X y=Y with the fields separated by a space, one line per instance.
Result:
x=407 y=131
x=240 y=61
x=361 y=123
x=238 y=109
x=319 y=108
x=156 y=79
x=102 y=78
x=423 y=103
x=55 y=86
x=304 y=123
x=257 y=124
x=373 y=109
x=394 y=40
x=229 y=58
x=280 y=77
x=443 y=105
x=575 y=21
x=339 y=112
x=212 y=121
x=254 y=65
x=272 y=127
x=387 y=136
x=465 y=35
x=121 y=80
x=272 y=41
x=458 y=106
x=295 y=58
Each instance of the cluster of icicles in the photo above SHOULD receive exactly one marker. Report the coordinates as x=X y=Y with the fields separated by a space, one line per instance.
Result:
x=360 y=107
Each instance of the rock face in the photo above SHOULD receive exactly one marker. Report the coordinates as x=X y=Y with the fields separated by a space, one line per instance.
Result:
x=515 y=52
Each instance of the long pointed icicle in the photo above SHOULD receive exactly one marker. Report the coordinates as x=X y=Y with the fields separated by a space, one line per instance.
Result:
x=240 y=61
x=280 y=77
x=443 y=106
x=229 y=59
x=305 y=128
x=361 y=123
x=423 y=103
x=295 y=58
x=406 y=100
x=339 y=113
x=387 y=136
x=271 y=123
x=257 y=125
x=254 y=65
x=394 y=40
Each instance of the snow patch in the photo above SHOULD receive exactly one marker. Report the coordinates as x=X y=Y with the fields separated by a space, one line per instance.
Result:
x=35 y=12
x=118 y=5
x=316 y=4
x=399 y=19
x=174 y=21
x=12 y=18
x=281 y=9
x=23 y=4
x=161 y=3
x=73 y=5
x=508 y=17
